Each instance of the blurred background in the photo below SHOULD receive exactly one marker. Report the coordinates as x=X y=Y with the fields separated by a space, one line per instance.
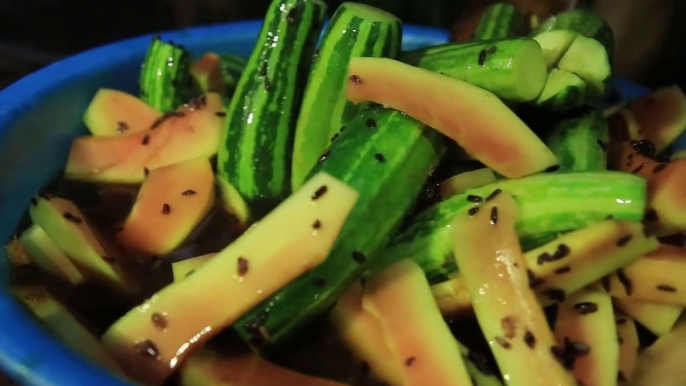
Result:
x=34 y=33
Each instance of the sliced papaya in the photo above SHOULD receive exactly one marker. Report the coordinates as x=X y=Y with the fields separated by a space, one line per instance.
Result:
x=475 y=118
x=656 y=277
x=661 y=116
x=232 y=201
x=153 y=339
x=627 y=335
x=577 y=259
x=114 y=112
x=183 y=268
x=191 y=132
x=170 y=204
x=622 y=126
x=48 y=256
x=64 y=223
x=16 y=253
x=400 y=299
x=207 y=368
x=465 y=181
x=363 y=335
x=207 y=73
x=587 y=319
x=63 y=324
x=656 y=317
x=663 y=362
x=666 y=198
x=452 y=297
x=494 y=268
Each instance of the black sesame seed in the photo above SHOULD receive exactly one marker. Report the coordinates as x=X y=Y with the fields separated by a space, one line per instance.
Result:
x=621 y=378
x=319 y=282
x=147 y=348
x=620 y=321
x=494 y=216
x=555 y=294
x=34 y=202
x=473 y=198
x=543 y=257
x=71 y=218
x=292 y=14
x=146 y=171
x=410 y=361
x=342 y=129
x=166 y=209
x=551 y=169
x=493 y=195
x=482 y=57
x=355 y=79
x=263 y=69
x=188 y=193
x=243 y=266
x=602 y=144
x=359 y=257
x=473 y=211
x=503 y=343
x=323 y=157
x=379 y=158
x=122 y=127
x=585 y=308
x=577 y=348
x=628 y=287
x=624 y=240
x=320 y=192
x=666 y=288
x=220 y=114
x=492 y=50
x=605 y=280
x=509 y=325
x=190 y=272
x=638 y=168
x=371 y=123
x=333 y=138
x=267 y=84
x=317 y=224
x=659 y=168
x=559 y=354
x=563 y=270
x=562 y=252
x=644 y=147
x=159 y=321
x=533 y=280
x=651 y=215
x=529 y=339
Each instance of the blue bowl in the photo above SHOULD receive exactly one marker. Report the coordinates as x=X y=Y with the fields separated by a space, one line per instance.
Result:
x=39 y=116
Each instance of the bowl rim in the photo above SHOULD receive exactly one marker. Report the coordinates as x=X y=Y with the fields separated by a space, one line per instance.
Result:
x=29 y=354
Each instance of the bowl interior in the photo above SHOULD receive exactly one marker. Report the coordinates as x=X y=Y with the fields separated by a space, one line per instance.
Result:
x=39 y=116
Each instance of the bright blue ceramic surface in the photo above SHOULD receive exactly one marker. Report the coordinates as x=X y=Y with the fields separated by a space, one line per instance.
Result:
x=39 y=116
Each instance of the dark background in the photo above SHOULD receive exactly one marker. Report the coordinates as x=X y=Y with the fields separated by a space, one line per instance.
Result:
x=34 y=33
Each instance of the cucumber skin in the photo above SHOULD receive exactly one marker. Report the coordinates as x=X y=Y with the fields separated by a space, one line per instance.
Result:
x=162 y=86
x=584 y=22
x=461 y=61
x=387 y=191
x=255 y=150
x=499 y=21
x=232 y=69
x=550 y=204
x=324 y=109
x=578 y=142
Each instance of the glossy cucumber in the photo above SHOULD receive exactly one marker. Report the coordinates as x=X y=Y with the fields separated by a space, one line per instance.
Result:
x=584 y=22
x=386 y=156
x=563 y=92
x=512 y=69
x=355 y=30
x=255 y=150
x=550 y=204
x=165 y=76
x=499 y=21
x=580 y=142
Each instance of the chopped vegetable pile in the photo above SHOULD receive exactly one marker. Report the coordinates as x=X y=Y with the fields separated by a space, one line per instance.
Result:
x=468 y=214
